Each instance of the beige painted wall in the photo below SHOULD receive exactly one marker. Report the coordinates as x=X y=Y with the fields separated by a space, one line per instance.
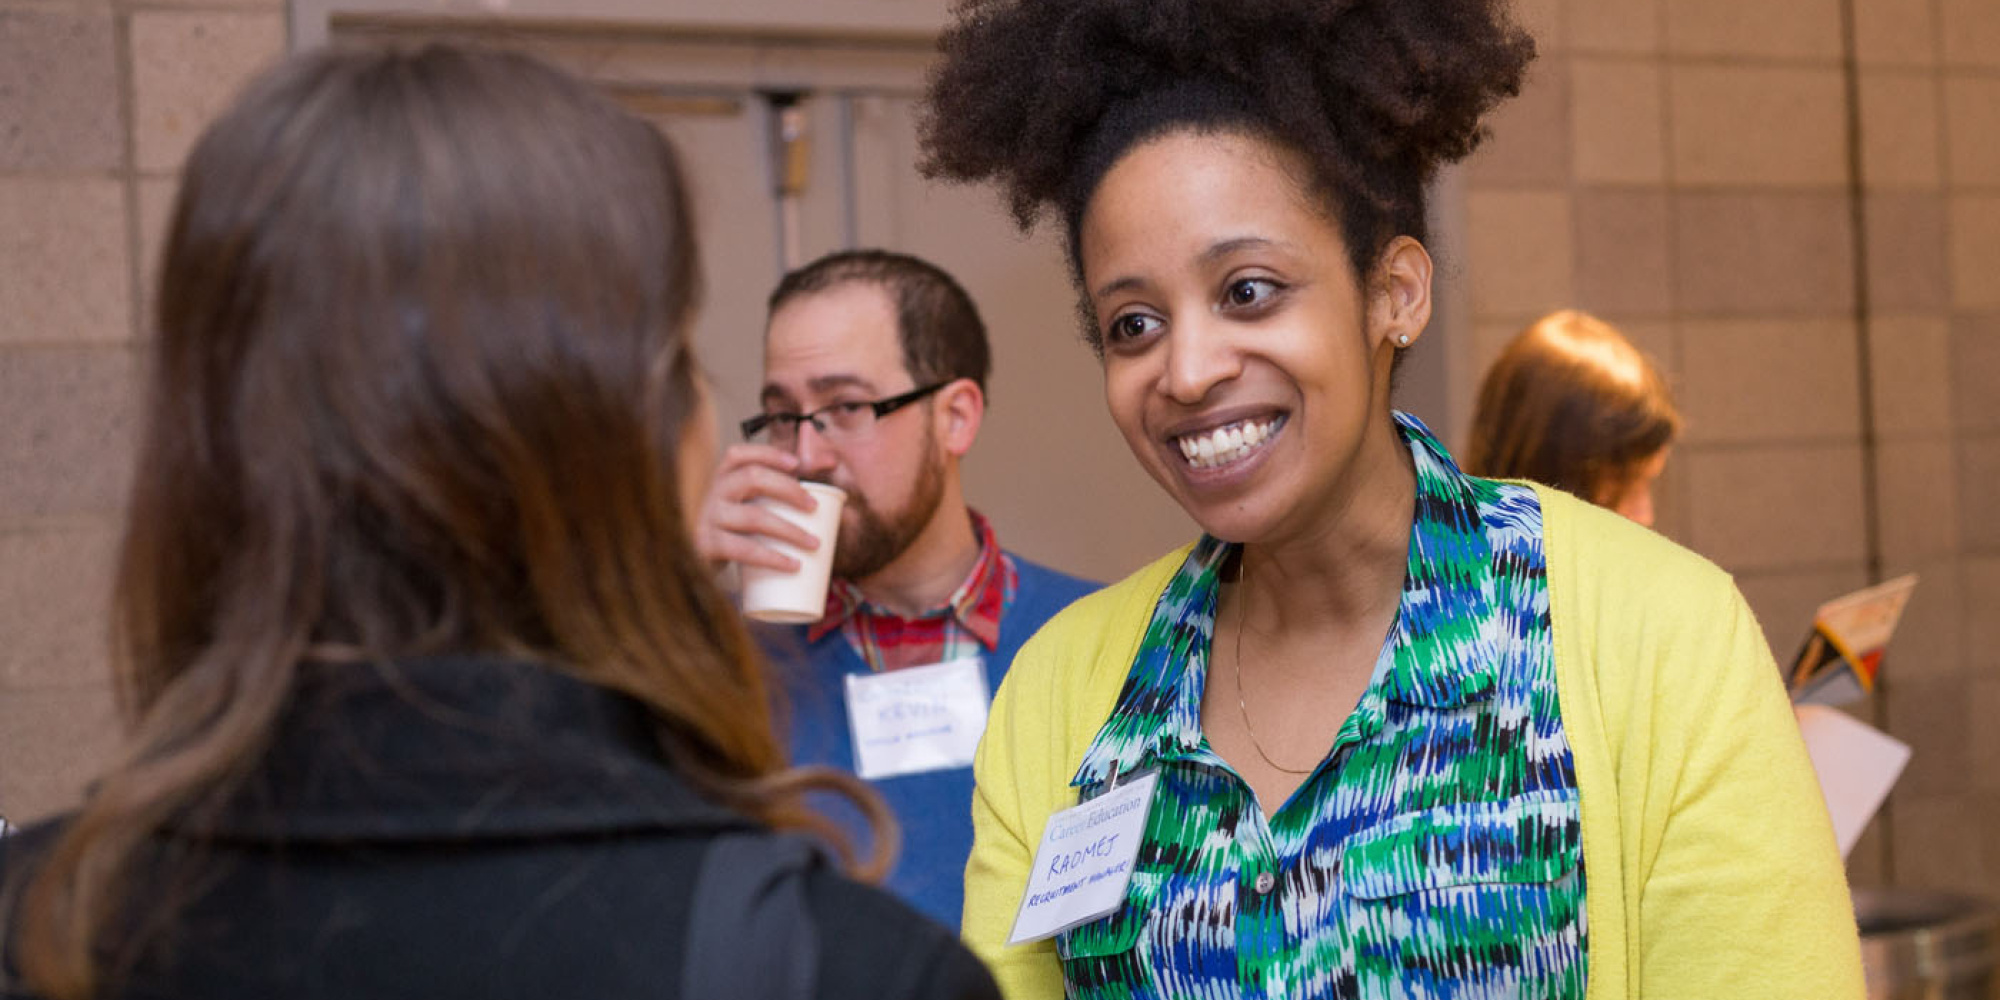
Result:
x=1678 y=165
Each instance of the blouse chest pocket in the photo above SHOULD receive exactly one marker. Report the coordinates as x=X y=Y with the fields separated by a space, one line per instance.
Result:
x=1490 y=890
x=1528 y=840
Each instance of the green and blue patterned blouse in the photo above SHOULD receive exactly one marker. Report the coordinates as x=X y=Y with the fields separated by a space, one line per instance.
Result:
x=1435 y=852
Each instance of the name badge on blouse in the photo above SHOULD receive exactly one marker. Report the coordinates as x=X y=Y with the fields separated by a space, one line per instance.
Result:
x=1085 y=861
x=916 y=720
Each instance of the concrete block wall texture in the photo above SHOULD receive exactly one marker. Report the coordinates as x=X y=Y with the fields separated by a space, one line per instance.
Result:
x=1964 y=457
x=98 y=104
x=1708 y=207
x=1679 y=166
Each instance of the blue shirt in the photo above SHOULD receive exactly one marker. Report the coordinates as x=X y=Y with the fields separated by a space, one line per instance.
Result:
x=934 y=809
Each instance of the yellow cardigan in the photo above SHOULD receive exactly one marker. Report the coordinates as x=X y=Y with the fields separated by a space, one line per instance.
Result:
x=1711 y=865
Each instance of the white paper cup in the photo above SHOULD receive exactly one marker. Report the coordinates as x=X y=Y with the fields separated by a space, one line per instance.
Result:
x=799 y=596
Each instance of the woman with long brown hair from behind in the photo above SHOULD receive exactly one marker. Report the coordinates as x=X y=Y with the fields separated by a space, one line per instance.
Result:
x=430 y=694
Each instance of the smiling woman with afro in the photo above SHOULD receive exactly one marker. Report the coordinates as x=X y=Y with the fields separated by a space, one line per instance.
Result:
x=1385 y=729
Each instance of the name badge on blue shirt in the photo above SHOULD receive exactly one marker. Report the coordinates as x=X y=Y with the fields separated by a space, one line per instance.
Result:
x=919 y=719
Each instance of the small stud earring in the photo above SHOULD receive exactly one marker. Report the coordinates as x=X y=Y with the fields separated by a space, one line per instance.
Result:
x=1402 y=340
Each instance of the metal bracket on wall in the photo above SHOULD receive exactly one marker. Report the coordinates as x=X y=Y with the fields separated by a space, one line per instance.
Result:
x=790 y=158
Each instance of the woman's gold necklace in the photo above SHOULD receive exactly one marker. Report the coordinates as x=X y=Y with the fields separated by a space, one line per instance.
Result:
x=1236 y=677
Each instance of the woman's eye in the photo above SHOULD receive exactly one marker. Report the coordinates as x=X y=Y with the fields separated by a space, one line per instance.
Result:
x=1132 y=326
x=1249 y=292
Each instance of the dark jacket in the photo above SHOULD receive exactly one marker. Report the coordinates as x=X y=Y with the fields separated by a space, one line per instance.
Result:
x=479 y=828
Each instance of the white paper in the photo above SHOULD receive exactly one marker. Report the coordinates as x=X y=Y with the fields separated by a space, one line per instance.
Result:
x=917 y=720
x=1857 y=765
x=1085 y=861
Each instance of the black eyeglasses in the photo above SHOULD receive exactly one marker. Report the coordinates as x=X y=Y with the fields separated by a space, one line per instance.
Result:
x=838 y=421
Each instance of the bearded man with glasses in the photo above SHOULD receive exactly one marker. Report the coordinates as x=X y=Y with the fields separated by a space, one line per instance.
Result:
x=875 y=369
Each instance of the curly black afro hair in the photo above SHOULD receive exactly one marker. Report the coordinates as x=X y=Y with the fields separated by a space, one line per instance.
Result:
x=1044 y=96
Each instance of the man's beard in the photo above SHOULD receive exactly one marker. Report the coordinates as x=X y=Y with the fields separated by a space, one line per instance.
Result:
x=874 y=539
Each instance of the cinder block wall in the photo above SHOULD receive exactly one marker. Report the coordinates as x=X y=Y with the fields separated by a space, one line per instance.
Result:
x=98 y=104
x=1684 y=168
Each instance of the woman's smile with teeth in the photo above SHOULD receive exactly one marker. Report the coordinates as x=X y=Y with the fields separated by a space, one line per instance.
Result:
x=1228 y=443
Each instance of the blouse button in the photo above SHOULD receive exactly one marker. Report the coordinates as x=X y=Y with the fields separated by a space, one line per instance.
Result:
x=1265 y=883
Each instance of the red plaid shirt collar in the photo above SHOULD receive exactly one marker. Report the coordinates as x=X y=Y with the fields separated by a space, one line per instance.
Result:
x=975 y=607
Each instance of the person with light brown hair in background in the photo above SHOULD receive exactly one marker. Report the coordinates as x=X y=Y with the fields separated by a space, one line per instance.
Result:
x=430 y=693
x=1572 y=404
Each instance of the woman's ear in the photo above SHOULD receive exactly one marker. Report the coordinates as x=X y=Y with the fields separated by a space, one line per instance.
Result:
x=1400 y=299
x=961 y=407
